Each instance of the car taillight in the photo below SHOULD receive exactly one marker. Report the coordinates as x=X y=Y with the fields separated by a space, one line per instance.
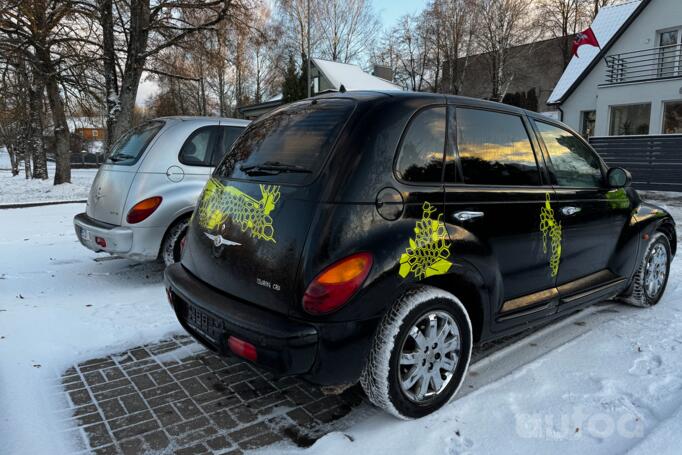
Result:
x=332 y=288
x=143 y=209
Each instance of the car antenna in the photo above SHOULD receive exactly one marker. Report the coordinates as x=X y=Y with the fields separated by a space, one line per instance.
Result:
x=342 y=89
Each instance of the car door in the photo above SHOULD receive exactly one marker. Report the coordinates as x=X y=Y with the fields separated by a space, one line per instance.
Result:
x=591 y=215
x=496 y=193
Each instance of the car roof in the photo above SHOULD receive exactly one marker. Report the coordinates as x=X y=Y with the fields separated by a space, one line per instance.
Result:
x=190 y=118
x=369 y=96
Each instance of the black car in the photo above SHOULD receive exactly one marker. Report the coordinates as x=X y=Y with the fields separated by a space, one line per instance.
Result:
x=376 y=236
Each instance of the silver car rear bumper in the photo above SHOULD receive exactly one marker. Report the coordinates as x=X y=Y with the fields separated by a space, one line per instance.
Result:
x=140 y=244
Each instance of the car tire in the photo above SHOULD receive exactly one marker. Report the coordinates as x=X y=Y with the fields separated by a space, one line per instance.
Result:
x=171 y=246
x=396 y=356
x=648 y=285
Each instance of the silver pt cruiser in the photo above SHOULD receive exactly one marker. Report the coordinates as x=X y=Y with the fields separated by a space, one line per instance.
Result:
x=144 y=194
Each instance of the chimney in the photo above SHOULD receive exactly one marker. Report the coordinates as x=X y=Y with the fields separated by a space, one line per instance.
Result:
x=384 y=72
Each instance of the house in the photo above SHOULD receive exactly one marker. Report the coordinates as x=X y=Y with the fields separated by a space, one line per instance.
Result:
x=627 y=96
x=87 y=128
x=326 y=75
x=536 y=68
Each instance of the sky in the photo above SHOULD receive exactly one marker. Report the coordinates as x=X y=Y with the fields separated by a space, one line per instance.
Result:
x=388 y=11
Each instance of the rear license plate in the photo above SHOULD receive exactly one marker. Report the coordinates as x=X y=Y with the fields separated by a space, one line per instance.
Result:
x=203 y=323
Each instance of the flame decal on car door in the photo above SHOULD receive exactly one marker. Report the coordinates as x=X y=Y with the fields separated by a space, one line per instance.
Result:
x=551 y=229
x=429 y=249
x=220 y=202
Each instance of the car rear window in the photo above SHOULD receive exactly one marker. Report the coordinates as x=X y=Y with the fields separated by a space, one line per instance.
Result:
x=288 y=145
x=130 y=147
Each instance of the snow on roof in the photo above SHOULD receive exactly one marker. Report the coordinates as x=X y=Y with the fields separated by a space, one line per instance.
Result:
x=607 y=23
x=351 y=76
x=84 y=122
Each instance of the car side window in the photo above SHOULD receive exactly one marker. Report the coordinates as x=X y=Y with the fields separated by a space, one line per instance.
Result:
x=420 y=158
x=196 y=151
x=494 y=149
x=572 y=163
x=230 y=134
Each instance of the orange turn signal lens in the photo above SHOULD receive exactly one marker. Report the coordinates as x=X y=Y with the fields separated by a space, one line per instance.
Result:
x=143 y=209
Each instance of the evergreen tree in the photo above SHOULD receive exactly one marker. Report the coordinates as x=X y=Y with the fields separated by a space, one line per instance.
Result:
x=294 y=85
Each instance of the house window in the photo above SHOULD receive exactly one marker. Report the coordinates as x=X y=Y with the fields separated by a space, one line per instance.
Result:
x=672 y=117
x=629 y=120
x=94 y=133
x=669 y=52
x=588 y=121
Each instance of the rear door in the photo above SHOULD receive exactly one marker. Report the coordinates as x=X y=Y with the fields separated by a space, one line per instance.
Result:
x=496 y=194
x=592 y=215
x=251 y=222
x=109 y=190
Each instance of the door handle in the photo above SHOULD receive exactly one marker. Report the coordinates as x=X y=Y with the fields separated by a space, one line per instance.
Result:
x=467 y=215
x=570 y=210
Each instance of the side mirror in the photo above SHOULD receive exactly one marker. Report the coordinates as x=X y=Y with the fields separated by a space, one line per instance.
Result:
x=618 y=177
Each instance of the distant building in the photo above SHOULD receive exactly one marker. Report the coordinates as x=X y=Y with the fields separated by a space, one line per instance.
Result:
x=535 y=67
x=326 y=75
x=88 y=128
x=627 y=96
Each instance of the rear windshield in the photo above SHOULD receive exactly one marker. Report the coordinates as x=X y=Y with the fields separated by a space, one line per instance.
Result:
x=130 y=147
x=289 y=145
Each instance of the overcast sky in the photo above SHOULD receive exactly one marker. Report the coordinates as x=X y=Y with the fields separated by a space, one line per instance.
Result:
x=388 y=11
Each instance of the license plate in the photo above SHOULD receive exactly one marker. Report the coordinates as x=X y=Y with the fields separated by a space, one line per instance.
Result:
x=85 y=235
x=202 y=322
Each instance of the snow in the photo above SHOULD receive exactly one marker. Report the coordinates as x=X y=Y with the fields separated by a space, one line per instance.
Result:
x=59 y=306
x=605 y=380
x=17 y=189
x=351 y=76
x=607 y=23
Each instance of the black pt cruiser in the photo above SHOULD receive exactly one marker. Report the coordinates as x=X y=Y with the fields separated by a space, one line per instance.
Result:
x=376 y=236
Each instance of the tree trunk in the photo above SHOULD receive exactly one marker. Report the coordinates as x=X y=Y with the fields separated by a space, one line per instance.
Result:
x=110 y=77
x=13 y=160
x=135 y=60
x=36 y=130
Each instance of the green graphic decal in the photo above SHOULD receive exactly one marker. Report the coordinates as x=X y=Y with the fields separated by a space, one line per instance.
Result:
x=221 y=202
x=428 y=251
x=550 y=228
x=618 y=199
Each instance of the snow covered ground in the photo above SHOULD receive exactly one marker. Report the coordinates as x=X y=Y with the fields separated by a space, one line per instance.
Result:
x=16 y=190
x=606 y=380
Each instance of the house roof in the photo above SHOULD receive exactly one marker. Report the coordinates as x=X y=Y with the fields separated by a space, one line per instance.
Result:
x=608 y=26
x=351 y=76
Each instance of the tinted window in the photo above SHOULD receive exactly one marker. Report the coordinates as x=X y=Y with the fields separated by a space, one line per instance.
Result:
x=298 y=136
x=230 y=134
x=421 y=153
x=494 y=149
x=129 y=148
x=573 y=163
x=196 y=151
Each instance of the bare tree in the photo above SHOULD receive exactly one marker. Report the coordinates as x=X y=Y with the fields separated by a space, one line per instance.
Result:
x=503 y=24
x=348 y=29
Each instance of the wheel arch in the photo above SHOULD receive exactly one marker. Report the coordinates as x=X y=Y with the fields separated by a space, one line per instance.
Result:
x=181 y=215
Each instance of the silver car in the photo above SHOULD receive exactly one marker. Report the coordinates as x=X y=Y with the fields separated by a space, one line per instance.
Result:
x=143 y=195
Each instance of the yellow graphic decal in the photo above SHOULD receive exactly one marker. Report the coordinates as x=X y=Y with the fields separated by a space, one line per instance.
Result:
x=221 y=202
x=428 y=251
x=552 y=229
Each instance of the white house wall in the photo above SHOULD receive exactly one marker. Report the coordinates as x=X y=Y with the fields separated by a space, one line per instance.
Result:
x=641 y=34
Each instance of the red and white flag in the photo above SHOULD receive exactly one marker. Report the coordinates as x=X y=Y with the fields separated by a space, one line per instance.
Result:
x=585 y=37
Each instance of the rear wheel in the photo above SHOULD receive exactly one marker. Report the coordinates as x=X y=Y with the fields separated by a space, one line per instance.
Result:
x=171 y=248
x=419 y=355
x=652 y=275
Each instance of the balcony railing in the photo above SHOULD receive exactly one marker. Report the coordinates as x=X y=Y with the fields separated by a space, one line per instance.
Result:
x=644 y=65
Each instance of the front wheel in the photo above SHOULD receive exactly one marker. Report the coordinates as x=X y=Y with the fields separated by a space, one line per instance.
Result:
x=652 y=275
x=420 y=354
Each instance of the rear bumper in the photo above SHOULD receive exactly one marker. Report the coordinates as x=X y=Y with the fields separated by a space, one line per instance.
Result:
x=140 y=244
x=323 y=353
